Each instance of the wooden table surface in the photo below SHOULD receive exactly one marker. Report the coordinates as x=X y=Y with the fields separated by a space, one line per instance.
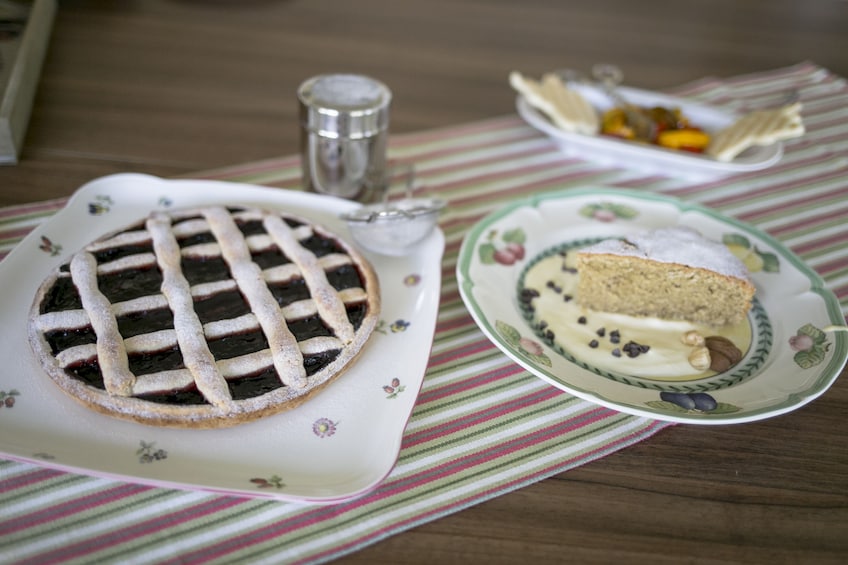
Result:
x=169 y=87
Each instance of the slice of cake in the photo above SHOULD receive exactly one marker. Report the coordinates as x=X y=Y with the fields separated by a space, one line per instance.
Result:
x=671 y=273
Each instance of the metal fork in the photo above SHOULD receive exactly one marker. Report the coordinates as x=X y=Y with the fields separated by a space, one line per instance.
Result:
x=610 y=77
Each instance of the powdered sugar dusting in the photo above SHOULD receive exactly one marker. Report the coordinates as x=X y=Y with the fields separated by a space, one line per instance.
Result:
x=678 y=244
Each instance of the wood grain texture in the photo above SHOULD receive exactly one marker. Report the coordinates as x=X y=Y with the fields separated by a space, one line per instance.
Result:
x=172 y=87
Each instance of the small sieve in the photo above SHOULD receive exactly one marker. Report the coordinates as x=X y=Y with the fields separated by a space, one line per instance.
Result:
x=394 y=227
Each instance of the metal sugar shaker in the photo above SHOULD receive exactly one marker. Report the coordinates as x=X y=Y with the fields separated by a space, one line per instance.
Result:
x=344 y=132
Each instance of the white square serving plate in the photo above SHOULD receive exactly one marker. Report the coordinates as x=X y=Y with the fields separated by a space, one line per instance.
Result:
x=338 y=445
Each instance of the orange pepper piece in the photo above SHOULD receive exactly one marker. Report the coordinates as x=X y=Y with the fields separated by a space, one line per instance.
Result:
x=691 y=139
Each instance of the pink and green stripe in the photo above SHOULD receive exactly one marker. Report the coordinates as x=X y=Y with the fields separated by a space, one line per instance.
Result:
x=482 y=426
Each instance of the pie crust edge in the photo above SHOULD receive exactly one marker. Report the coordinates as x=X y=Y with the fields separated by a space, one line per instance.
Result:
x=207 y=416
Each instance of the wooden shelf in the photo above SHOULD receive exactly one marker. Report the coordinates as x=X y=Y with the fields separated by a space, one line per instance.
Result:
x=21 y=54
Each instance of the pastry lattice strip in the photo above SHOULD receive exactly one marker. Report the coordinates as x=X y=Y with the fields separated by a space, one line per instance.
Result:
x=196 y=355
x=111 y=354
x=236 y=250
x=78 y=318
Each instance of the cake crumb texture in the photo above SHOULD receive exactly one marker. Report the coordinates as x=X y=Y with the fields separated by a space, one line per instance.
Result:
x=671 y=273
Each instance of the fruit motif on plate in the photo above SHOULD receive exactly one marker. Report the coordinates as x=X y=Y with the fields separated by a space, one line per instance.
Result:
x=394 y=388
x=48 y=246
x=608 y=212
x=274 y=481
x=148 y=453
x=524 y=345
x=692 y=402
x=7 y=398
x=754 y=258
x=503 y=248
x=811 y=345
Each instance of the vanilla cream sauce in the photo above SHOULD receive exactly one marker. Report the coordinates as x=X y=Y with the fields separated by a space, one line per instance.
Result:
x=555 y=277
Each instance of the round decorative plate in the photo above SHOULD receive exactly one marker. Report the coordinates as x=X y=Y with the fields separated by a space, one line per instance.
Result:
x=795 y=354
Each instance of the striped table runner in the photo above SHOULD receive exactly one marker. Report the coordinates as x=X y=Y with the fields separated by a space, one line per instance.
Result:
x=482 y=426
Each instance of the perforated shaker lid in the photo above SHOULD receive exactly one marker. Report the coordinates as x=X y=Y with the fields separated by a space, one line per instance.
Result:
x=344 y=105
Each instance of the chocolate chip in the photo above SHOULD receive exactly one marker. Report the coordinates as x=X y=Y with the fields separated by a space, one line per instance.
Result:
x=615 y=336
x=593 y=344
x=616 y=352
x=601 y=332
x=550 y=335
x=581 y=320
x=634 y=349
x=567 y=297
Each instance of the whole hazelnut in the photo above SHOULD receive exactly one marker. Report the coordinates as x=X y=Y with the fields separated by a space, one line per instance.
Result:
x=700 y=358
x=692 y=337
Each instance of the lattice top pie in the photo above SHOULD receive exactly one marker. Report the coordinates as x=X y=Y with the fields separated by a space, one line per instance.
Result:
x=206 y=317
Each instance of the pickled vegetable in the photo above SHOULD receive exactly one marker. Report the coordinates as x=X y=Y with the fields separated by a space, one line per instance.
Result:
x=671 y=130
x=686 y=139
